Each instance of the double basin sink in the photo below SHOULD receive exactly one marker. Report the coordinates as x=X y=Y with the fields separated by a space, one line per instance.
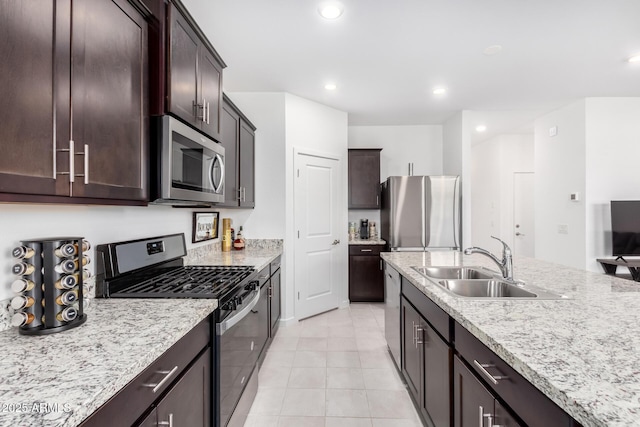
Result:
x=479 y=282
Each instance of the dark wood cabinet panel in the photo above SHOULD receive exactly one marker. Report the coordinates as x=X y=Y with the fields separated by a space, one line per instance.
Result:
x=182 y=69
x=74 y=101
x=109 y=100
x=412 y=360
x=150 y=420
x=472 y=402
x=275 y=303
x=437 y=377
x=188 y=403
x=35 y=59
x=194 y=74
x=230 y=140
x=210 y=72
x=503 y=418
x=247 y=165
x=238 y=139
x=364 y=178
x=366 y=276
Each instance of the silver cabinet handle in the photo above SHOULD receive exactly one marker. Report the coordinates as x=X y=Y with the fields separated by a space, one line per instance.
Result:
x=86 y=164
x=377 y=200
x=366 y=250
x=419 y=330
x=266 y=276
x=208 y=111
x=493 y=378
x=168 y=374
x=167 y=423
x=204 y=110
x=244 y=194
x=240 y=194
x=72 y=166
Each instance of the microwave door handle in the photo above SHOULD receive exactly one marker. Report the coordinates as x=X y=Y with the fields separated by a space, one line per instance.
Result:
x=216 y=188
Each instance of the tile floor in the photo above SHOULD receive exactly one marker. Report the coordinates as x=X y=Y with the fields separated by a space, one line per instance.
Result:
x=332 y=370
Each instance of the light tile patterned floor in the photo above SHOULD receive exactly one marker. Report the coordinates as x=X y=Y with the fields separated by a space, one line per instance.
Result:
x=332 y=370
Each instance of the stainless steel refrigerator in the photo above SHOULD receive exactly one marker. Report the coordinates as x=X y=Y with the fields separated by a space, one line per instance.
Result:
x=421 y=212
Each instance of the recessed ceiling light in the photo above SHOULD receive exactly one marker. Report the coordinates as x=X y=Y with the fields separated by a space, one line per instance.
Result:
x=439 y=91
x=492 y=50
x=330 y=86
x=330 y=10
x=635 y=58
x=481 y=128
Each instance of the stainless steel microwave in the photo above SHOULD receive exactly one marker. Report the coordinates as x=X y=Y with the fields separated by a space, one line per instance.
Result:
x=189 y=167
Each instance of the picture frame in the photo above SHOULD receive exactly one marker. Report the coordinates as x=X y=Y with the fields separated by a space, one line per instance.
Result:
x=205 y=226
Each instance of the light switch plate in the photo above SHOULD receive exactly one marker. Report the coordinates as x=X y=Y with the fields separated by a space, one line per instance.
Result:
x=553 y=131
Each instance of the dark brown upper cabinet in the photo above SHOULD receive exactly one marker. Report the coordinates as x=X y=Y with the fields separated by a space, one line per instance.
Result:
x=238 y=140
x=193 y=73
x=74 y=102
x=364 y=178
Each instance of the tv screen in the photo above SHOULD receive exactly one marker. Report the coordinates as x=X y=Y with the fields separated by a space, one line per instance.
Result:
x=625 y=227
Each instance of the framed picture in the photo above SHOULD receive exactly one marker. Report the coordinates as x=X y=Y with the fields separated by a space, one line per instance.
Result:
x=205 y=226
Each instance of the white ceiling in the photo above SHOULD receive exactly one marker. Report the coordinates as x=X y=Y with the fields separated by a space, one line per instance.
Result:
x=386 y=57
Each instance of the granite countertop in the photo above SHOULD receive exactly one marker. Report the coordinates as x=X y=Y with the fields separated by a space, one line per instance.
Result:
x=61 y=379
x=582 y=352
x=376 y=241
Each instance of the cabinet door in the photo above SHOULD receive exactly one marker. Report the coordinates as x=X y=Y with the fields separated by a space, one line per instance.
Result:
x=182 y=69
x=364 y=179
x=247 y=165
x=188 y=403
x=437 y=385
x=412 y=349
x=229 y=140
x=275 y=304
x=503 y=417
x=210 y=72
x=366 y=279
x=150 y=420
x=472 y=403
x=35 y=57
x=109 y=100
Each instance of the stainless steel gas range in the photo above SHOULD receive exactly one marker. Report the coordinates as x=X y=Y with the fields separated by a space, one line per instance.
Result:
x=154 y=268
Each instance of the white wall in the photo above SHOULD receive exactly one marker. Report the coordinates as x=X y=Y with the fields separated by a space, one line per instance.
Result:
x=401 y=145
x=612 y=153
x=456 y=160
x=493 y=164
x=322 y=129
x=559 y=171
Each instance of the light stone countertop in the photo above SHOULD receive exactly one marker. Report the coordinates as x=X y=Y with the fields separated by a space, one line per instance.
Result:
x=80 y=369
x=581 y=352
x=376 y=241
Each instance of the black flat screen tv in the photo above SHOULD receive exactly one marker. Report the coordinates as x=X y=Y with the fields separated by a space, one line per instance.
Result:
x=625 y=227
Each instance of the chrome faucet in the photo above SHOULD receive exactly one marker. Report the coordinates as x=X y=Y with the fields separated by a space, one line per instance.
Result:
x=506 y=264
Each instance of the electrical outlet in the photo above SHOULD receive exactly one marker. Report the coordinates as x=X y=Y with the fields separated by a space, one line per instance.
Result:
x=563 y=229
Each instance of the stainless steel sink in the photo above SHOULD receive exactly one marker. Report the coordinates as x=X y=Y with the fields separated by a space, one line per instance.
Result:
x=493 y=288
x=482 y=283
x=456 y=272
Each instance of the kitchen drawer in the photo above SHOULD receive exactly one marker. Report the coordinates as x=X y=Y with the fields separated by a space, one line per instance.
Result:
x=365 y=249
x=438 y=318
x=133 y=400
x=275 y=264
x=531 y=405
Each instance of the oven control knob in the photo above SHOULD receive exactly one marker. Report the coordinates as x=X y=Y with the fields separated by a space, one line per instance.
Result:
x=251 y=286
x=238 y=300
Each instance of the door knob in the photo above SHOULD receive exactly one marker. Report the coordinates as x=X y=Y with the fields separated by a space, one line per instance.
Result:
x=519 y=234
x=335 y=242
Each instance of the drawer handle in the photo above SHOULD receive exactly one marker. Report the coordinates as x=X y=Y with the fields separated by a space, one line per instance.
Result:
x=167 y=423
x=366 y=250
x=264 y=277
x=482 y=416
x=493 y=378
x=157 y=386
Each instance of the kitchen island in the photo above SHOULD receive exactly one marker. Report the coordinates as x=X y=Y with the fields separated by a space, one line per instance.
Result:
x=61 y=379
x=580 y=351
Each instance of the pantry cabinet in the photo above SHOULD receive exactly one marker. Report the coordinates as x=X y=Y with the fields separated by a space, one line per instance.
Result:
x=72 y=131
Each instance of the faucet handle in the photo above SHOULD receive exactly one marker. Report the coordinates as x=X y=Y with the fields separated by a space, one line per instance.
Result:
x=506 y=250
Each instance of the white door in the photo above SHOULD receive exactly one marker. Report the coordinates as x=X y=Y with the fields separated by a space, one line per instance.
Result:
x=317 y=215
x=523 y=220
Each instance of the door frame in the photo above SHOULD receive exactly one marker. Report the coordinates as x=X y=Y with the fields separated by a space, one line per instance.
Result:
x=342 y=248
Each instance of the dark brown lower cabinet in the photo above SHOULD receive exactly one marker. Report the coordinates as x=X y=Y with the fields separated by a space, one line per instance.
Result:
x=274 y=301
x=426 y=365
x=474 y=405
x=366 y=275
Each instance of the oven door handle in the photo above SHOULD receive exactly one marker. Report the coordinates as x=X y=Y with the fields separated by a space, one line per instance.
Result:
x=229 y=323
